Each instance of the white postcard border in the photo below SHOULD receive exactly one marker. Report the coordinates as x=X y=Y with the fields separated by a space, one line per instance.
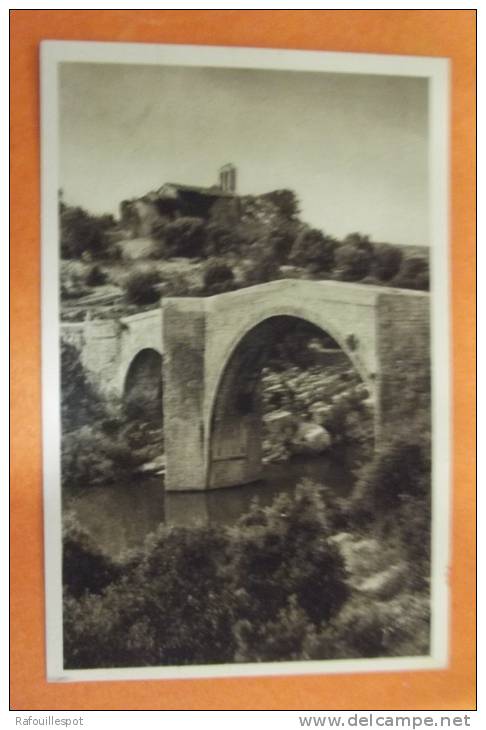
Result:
x=437 y=71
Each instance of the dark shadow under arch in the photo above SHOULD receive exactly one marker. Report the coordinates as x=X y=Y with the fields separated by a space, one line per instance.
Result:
x=235 y=454
x=142 y=391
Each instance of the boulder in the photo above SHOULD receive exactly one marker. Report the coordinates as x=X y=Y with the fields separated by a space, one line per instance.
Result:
x=310 y=438
x=157 y=466
x=385 y=584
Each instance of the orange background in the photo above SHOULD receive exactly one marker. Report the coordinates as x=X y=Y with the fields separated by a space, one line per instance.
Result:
x=447 y=33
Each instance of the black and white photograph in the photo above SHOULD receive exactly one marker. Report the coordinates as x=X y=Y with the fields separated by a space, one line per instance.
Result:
x=245 y=361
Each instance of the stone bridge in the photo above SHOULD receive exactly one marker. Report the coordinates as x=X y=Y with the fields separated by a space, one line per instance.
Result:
x=212 y=349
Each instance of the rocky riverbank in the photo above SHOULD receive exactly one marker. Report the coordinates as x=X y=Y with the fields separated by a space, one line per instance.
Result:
x=312 y=410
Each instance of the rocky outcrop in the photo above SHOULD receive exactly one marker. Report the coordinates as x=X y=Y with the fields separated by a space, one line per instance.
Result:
x=310 y=438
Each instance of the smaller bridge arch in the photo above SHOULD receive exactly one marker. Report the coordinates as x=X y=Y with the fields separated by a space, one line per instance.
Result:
x=142 y=388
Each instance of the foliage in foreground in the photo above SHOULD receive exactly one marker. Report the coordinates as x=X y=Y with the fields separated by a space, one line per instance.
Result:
x=207 y=595
x=277 y=586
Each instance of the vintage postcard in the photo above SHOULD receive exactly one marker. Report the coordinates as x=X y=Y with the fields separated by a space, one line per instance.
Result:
x=245 y=361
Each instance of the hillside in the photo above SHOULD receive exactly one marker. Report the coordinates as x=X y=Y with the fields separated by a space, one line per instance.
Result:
x=187 y=241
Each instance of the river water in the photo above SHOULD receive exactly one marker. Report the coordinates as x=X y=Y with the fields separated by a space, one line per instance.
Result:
x=119 y=517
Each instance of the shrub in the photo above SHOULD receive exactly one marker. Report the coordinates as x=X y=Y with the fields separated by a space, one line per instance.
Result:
x=96 y=276
x=220 y=240
x=283 y=639
x=413 y=274
x=399 y=470
x=370 y=628
x=280 y=240
x=85 y=569
x=202 y=595
x=387 y=261
x=263 y=268
x=285 y=201
x=80 y=403
x=281 y=551
x=218 y=277
x=179 y=286
x=92 y=457
x=185 y=237
x=83 y=233
x=352 y=262
x=173 y=607
x=313 y=249
x=142 y=287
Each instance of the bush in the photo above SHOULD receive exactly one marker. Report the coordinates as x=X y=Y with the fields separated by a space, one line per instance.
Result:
x=368 y=628
x=96 y=276
x=314 y=250
x=85 y=569
x=352 y=261
x=282 y=551
x=413 y=274
x=399 y=470
x=202 y=595
x=218 y=277
x=173 y=607
x=263 y=268
x=285 y=201
x=92 y=457
x=220 y=240
x=82 y=233
x=142 y=287
x=80 y=403
x=179 y=286
x=280 y=240
x=387 y=261
x=185 y=237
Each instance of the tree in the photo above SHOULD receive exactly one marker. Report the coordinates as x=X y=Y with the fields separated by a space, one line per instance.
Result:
x=96 y=276
x=263 y=268
x=360 y=240
x=185 y=237
x=314 y=249
x=281 y=239
x=285 y=201
x=83 y=233
x=352 y=262
x=220 y=240
x=141 y=286
x=413 y=274
x=218 y=277
x=386 y=261
x=283 y=551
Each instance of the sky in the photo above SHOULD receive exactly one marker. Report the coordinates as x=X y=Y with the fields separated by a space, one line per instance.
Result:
x=353 y=147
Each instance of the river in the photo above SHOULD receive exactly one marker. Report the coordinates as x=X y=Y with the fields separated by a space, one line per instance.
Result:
x=119 y=517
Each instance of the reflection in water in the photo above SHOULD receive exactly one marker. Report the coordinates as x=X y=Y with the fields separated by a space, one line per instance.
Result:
x=119 y=518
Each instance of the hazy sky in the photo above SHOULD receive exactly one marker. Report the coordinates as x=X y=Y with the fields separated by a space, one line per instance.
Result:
x=353 y=147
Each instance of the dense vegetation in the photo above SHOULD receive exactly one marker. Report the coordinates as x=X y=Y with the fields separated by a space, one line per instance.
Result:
x=266 y=241
x=308 y=577
x=311 y=576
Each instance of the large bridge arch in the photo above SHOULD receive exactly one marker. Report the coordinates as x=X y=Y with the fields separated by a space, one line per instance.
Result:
x=235 y=425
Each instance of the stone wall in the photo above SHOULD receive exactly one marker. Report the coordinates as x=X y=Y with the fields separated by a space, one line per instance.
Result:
x=404 y=352
x=183 y=394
